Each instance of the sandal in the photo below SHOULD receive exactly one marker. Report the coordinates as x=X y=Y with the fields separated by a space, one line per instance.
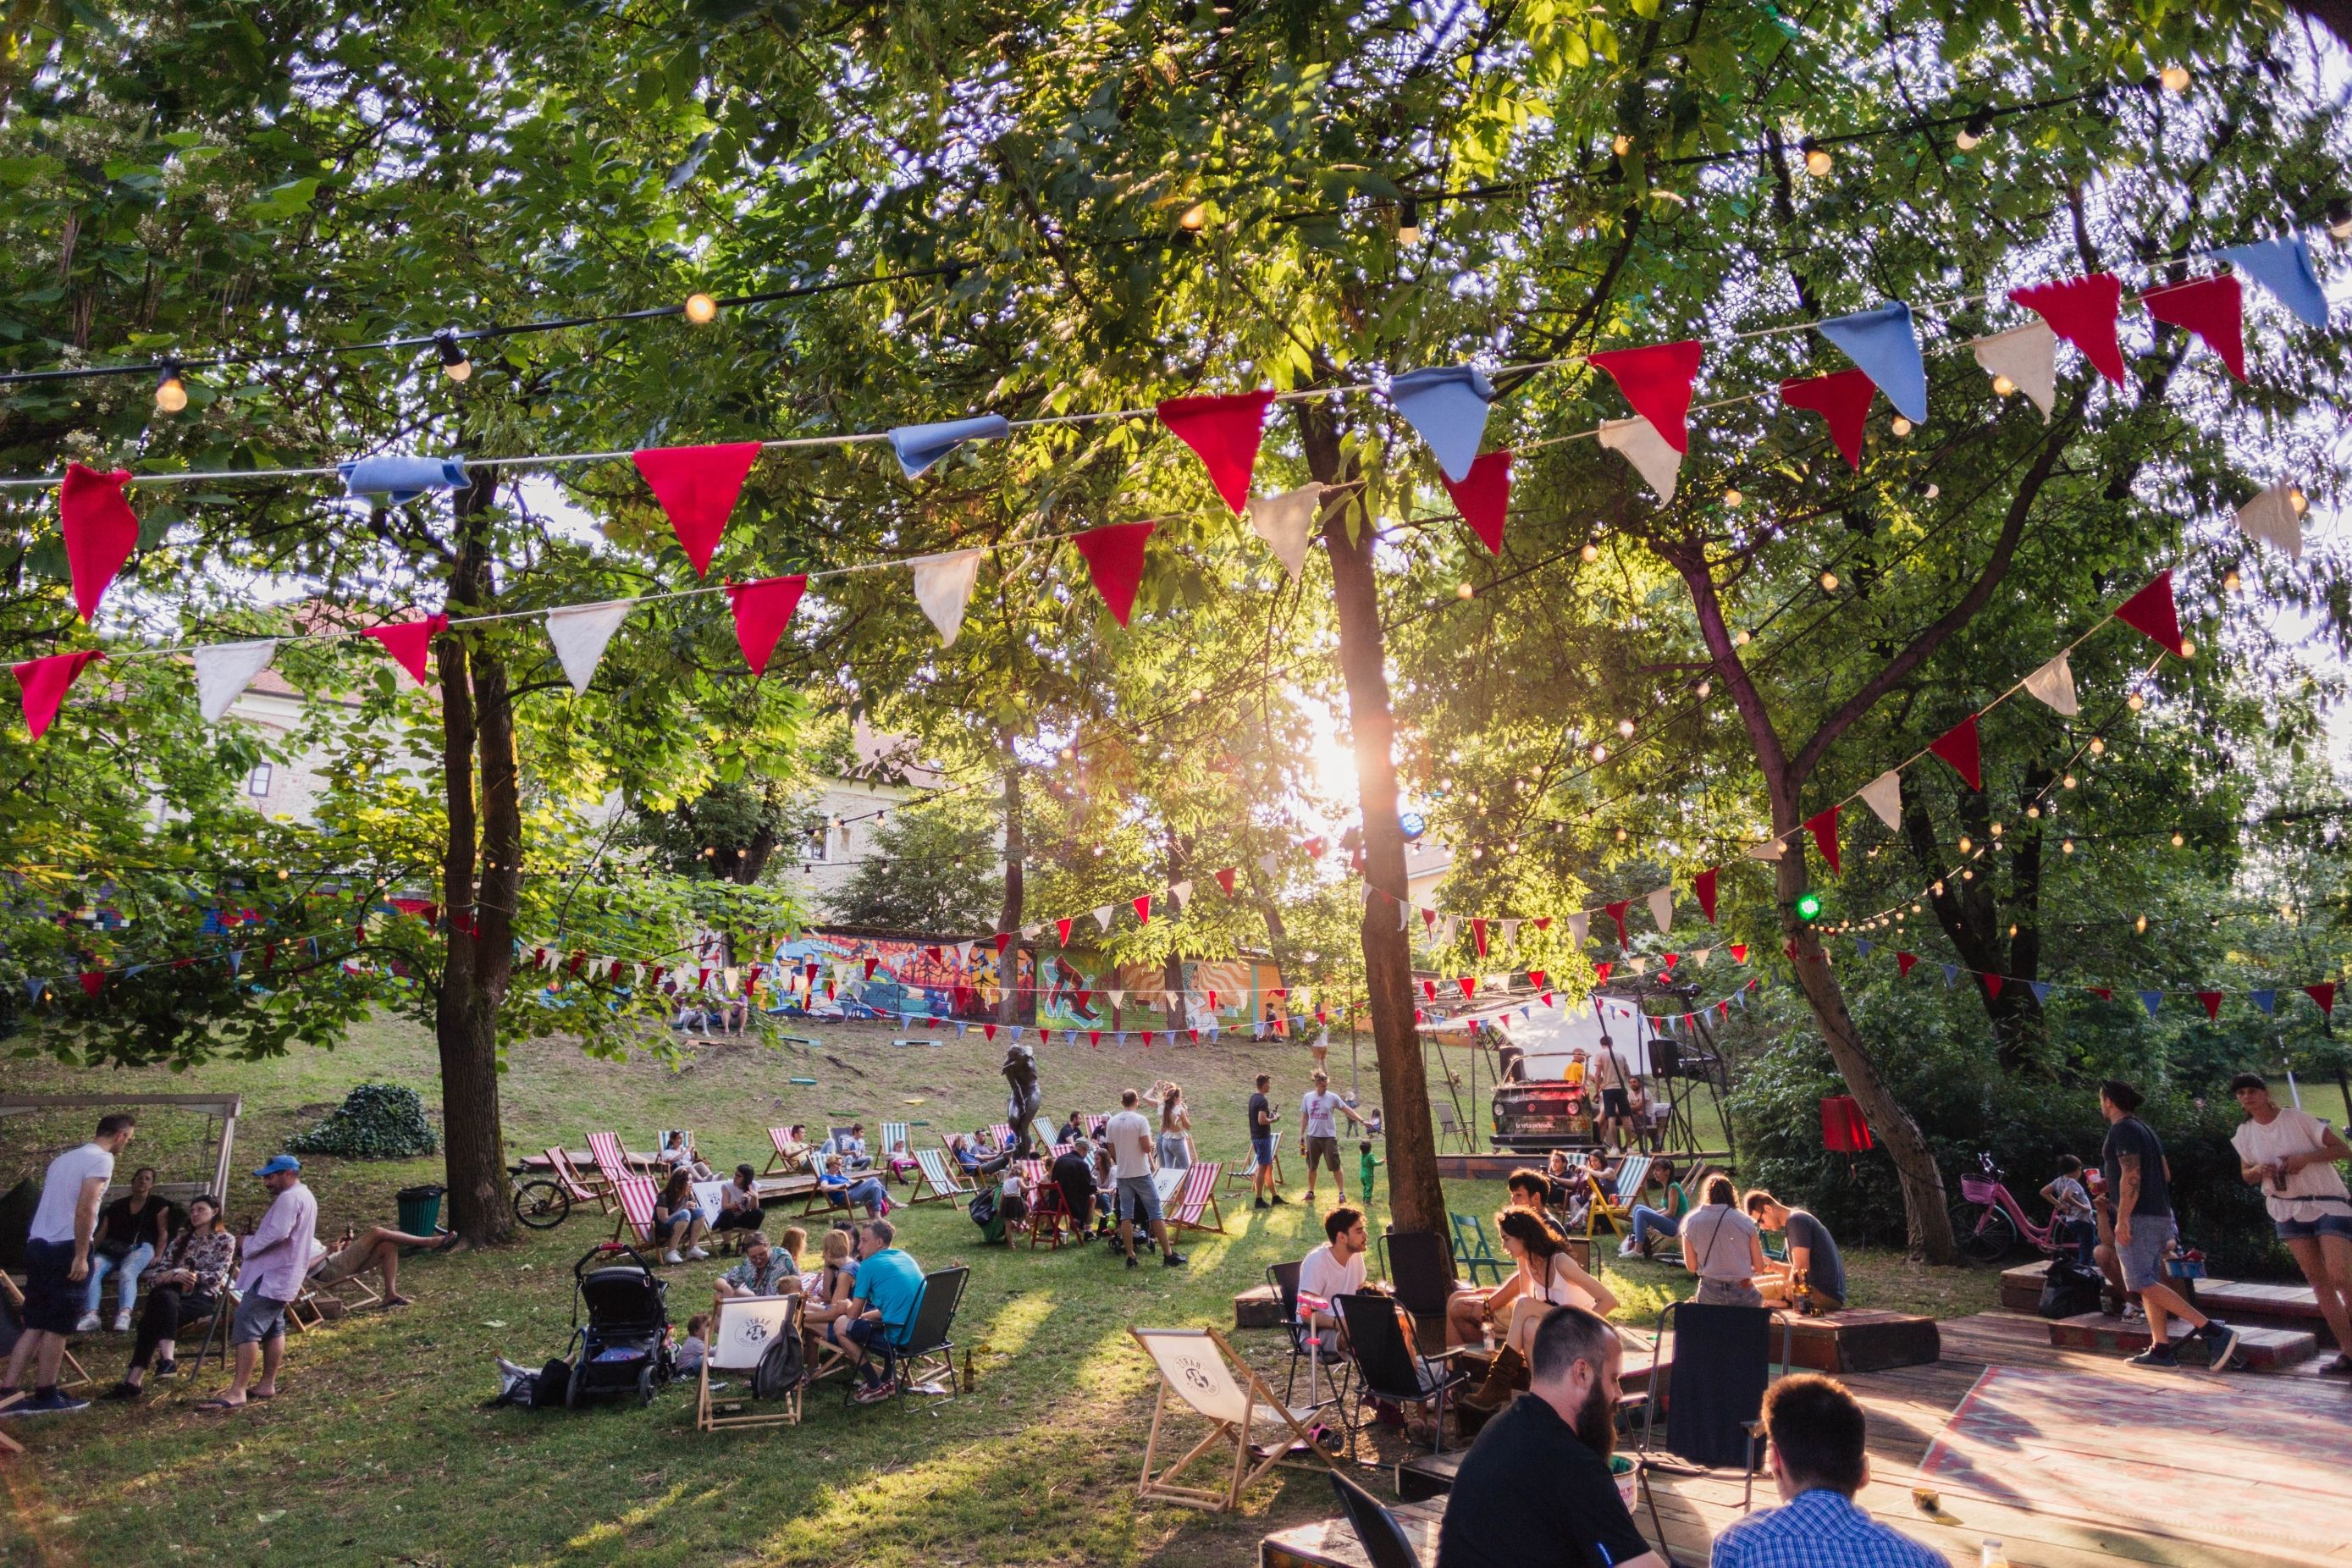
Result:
x=219 y=1406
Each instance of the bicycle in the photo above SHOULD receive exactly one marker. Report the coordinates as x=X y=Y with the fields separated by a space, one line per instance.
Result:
x=540 y=1201
x=1987 y=1224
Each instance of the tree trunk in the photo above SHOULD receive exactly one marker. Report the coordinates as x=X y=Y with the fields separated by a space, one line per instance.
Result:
x=1008 y=915
x=1416 y=1198
x=476 y=716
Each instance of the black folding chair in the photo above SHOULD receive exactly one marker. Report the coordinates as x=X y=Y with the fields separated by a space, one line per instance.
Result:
x=1284 y=1278
x=1715 y=1393
x=1385 y=1542
x=1387 y=1366
x=929 y=1346
x=1419 y=1268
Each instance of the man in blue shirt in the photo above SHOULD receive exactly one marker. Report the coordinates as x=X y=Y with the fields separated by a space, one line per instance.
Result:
x=1817 y=1433
x=889 y=1292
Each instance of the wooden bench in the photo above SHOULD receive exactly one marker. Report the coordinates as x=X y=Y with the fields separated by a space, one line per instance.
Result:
x=2257 y=1348
x=1420 y=1477
x=1259 y=1306
x=1862 y=1339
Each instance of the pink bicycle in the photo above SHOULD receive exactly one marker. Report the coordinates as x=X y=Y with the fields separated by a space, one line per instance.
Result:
x=1988 y=1223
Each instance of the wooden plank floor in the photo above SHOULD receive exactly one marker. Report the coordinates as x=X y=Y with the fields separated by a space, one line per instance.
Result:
x=1908 y=1407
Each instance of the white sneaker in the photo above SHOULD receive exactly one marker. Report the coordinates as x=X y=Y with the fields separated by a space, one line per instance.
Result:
x=1626 y=1248
x=672 y=1257
x=695 y=1255
x=121 y=1323
x=88 y=1324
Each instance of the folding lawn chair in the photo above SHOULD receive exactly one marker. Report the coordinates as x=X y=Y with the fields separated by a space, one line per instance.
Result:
x=1447 y=1127
x=1001 y=1135
x=1715 y=1393
x=789 y=1157
x=635 y=1222
x=1470 y=1251
x=922 y=1361
x=894 y=1134
x=932 y=1166
x=1332 y=1371
x=1247 y=1175
x=612 y=1162
x=1385 y=1543
x=1197 y=1196
x=1613 y=1206
x=1387 y=1365
x=576 y=1187
x=1049 y=1217
x=742 y=1333
x=1208 y=1379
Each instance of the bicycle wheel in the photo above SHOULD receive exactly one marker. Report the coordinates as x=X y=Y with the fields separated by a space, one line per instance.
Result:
x=1984 y=1235
x=542 y=1205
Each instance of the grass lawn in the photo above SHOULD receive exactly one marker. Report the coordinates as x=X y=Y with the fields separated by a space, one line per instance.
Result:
x=380 y=1449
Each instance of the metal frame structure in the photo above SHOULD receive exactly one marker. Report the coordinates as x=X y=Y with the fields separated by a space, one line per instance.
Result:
x=222 y=1110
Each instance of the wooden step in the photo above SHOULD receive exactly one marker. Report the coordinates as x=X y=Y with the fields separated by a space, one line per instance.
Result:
x=1259 y=1306
x=2257 y=1347
x=1859 y=1339
x=2244 y=1303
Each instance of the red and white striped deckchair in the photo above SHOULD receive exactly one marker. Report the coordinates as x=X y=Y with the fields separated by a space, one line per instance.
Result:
x=612 y=1162
x=635 y=1221
x=1197 y=1196
x=576 y=1187
x=789 y=1156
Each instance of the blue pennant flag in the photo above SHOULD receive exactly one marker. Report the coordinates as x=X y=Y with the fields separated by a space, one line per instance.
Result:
x=1448 y=405
x=2282 y=266
x=2148 y=999
x=2266 y=1000
x=1862 y=947
x=920 y=445
x=397 y=478
x=36 y=987
x=1016 y=1034
x=236 y=960
x=1119 y=1038
x=959 y=1030
x=1883 y=344
x=136 y=969
x=1740 y=996
x=2040 y=989
x=1951 y=976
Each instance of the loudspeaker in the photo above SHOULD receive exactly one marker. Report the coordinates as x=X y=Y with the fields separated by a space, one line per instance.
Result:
x=1665 y=1056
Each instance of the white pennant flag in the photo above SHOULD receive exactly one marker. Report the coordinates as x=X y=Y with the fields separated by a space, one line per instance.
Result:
x=1662 y=908
x=1180 y=894
x=225 y=669
x=1646 y=450
x=1269 y=864
x=963 y=954
x=1510 y=933
x=728 y=978
x=1884 y=796
x=1578 y=925
x=1103 y=914
x=2054 y=684
x=1283 y=522
x=943 y=588
x=2028 y=356
x=1771 y=849
x=2271 y=519
x=1404 y=914
x=579 y=633
x=1638 y=965
x=1118 y=998
x=1702 y=955
x=1030 y=934
x=1446 y=929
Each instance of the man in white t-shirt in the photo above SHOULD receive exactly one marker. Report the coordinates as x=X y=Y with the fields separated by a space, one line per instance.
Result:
x=1332 y=1270
x=1129 y=1136
x=56 y=1264
x=2291 y=1156
x=1319 y=1110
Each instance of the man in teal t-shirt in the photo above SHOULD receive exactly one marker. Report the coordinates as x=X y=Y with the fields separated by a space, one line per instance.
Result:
x=890 y=1293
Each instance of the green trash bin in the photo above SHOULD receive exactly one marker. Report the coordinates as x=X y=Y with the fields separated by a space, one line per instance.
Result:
x=420 y=1208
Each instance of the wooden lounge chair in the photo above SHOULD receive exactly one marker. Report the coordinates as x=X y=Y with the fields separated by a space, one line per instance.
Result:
x=894 y=1133
x=1095 y=1124
x=1196 y=1196
x=938 y=1178
x=999 y=1133
x=1209 y=1380
x=1612 y=1205
x=1247 y=1175
x=612 y=1162
x=741 y=1330
x=789 y=1157
x=1049 y=1218
x=635 y=1223
x=579 y=1187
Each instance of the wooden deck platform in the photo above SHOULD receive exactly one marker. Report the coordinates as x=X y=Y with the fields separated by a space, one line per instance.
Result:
x=2239 y=1303
x=2133 y=1494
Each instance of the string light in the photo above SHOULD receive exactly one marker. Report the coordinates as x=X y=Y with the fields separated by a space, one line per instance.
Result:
x=1979 y=127
x=2297 y=500
x=1818 y=161
x=2174 y=77
x=1732 y=497
x=1901 y=426
x=1828 y=582
x=2178 y=841
x=1621 y=144
x=2140 y=925
x=1967 y=844
x=2003 y=387
x=2098 y=745
x=1932 y=491
x=1625 y=729
x=1196 y=218
x=2067 y=846
x=2068 y=780
x=1740 y=639
x=2230 y=582
x=170 y=393
x=1465 y=591
x=1707 y=688
x=454 y=363
x=1408 y=222
x=2033 y=811
x=1599 y=753
x=1589 y=553
x=2134 y=703
x=1995 y=830
x=2339 y=218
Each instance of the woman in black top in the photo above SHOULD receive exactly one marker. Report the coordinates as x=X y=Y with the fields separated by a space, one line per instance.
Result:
x=131 y=1231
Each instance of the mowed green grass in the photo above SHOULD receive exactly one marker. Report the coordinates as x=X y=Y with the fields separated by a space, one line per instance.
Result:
x=380 y=1449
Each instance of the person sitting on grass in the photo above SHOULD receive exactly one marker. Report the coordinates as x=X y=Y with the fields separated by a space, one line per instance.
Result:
x=1812 y=1254
x=890 y=1291
x=765 y=1270
x=1817 y=1435
x=187 y=1282
x=844 y=1190
x=677 y=1227
x=696 y=1347
x=1546 y=1275
x=1650 y=1224
x=738 y=1203
x=377 y=1247
x=1467 y=1311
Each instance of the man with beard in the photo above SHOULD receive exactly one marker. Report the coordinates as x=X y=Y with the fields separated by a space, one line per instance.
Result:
x=1534 y=1490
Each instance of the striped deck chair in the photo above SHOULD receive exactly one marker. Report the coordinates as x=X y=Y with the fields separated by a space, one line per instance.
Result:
x=1613 y=1206
x=938 y=1178
x=577 y=1188
x=1062 y=1148
x=1095 y=1125
x=999 y=1133
x=1247 y=1175
x=789 y=1157
x=1196 y=1196
x=1049 y=1217
x=635 y=1223
x=894 y=1133
x=612 y=1162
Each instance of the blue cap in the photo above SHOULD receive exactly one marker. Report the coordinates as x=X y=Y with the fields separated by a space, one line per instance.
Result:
x=277 y=1162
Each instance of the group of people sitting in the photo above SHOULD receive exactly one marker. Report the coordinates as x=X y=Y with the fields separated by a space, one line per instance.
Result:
x=862 y=1293
x=1102 y=1183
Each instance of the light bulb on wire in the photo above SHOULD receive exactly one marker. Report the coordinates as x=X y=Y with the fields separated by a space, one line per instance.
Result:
x=1979 y=127
x=1195 y=218
x=1901 y=426
x=2175 y=78
x=170 y=391
x=701 y=309
x=2003 y=387
x=1625 y=729
x=1409 y=222
x=1740 y=639
x=454 y=363
x=1828 y=582
x=2098 y=745
x=1818 y=159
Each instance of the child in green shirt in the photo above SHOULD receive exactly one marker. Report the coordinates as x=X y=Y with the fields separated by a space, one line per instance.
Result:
x=1366 y=1163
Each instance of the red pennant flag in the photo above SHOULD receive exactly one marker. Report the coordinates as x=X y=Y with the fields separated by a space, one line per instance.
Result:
x=1429 y=989
x=411 y=642
x=1429 y=920
x=762 y=610
x=696 y=487
x=100 y=530
x=937 y=956
x=1738 y=953
x=1544 y=924
x=1483 y=498
x=1143 y=904
x=1225 y=881
x=1656 y=381
x=1902 y=962
x=1213 y=1001
x=1704 y=885
x=988 y=1031
x=1314 y=848
x=2152 y=613
x=1957 y=746
x=1535 y=978
x=91 y=979
x=1601 y=972
x=1083 y=998
x=1147 y=1038
x=1469 y=984
x=1062 y=928
x=1822 y=826
x=2325 y=995
x=1789 y=948
x=1226 y=432
x=2213 y=308
x=1670 y=959
x=1991 y=985
x=1003 y=940
x=43 y=683
x=1420 y=1016
x=2102 y=992
x=871 y=965
x=1843 y=399
x=1195 y=1034
x=1546 y=998
x=2083 y=312
x=2212 y=1000
x=1094 y=1038
x=577 y=959
x=1479 y=935
x=1115 y=561
x=1616 y=911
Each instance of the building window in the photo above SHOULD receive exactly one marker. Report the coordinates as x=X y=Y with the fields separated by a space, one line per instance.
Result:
x=257 y=783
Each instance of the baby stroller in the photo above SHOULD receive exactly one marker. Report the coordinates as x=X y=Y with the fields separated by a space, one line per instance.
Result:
x=624 y=1345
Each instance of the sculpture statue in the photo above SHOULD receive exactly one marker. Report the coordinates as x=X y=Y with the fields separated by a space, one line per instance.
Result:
x=1022 y=1104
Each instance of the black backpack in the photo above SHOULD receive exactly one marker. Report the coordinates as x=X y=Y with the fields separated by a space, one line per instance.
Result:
x=778 y=1369
x=2069 y=1290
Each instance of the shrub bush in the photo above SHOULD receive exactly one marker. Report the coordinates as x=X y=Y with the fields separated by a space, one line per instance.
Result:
x=376 y=1121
